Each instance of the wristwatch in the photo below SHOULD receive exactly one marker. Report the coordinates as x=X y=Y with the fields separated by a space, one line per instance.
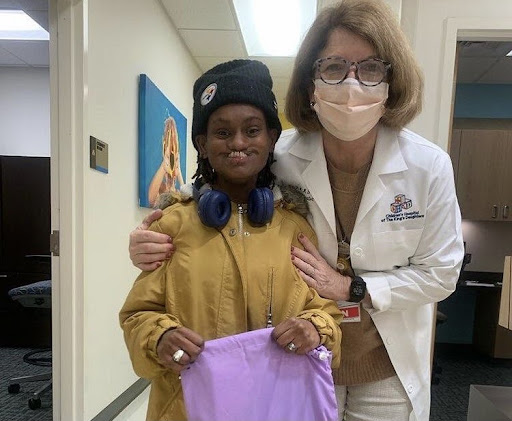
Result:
x=357 y=289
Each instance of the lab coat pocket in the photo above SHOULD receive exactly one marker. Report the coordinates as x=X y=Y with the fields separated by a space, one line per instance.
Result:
x=394 y=248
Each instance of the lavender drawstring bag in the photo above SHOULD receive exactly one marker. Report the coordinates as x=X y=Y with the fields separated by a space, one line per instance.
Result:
x=248 y=377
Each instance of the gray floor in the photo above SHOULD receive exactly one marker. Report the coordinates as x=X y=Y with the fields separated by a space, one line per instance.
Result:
x=462 y=367
x=14 y=407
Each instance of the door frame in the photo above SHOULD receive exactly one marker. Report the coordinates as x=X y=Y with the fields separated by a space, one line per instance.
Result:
x=463 y=29
x=68 y=99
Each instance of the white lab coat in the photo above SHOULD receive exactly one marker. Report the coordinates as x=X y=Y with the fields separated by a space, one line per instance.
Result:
x=409 y=258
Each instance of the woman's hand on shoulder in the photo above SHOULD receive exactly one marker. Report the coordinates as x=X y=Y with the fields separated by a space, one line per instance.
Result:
x=317 y=273
x=148 y=249
x=296 y=335
x=177 y=348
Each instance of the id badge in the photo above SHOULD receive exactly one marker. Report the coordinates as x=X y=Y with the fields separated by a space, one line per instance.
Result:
x=351 y=312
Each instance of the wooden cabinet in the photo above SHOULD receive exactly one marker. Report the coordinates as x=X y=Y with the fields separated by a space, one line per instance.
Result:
x=483 y=167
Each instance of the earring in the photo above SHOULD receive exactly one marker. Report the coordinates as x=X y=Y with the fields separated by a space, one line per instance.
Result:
x=312 y=103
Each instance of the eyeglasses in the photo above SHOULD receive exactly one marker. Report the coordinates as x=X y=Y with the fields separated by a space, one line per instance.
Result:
x=334 y=70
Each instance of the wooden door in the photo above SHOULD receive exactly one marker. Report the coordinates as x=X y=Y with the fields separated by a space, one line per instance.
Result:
x=481 y=173
x=505 y=177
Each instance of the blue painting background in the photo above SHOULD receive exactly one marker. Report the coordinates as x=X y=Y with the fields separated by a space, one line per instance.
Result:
x=154 y=109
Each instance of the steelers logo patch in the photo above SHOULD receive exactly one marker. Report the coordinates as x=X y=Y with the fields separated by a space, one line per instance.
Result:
x=208 y=93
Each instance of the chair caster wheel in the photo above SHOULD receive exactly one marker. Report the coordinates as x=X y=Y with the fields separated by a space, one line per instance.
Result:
x=34 y=403
x=13 y=388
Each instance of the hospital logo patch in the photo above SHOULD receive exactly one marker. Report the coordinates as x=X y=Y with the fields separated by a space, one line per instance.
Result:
x=400 y=210
x=401 y=202
x=208 y=93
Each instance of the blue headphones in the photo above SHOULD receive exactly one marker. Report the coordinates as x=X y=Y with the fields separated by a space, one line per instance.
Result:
x=214 y=206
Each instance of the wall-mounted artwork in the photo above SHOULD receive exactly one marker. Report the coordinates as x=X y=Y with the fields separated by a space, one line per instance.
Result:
x=162 y=144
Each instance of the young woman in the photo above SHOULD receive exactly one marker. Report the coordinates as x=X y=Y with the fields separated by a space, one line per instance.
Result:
x=232 y=271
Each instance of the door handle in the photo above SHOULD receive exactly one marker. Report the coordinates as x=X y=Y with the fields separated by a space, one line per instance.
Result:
x=505 y=212
x=494 y=211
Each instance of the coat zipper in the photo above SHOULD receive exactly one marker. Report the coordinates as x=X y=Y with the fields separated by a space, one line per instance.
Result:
x=240 y=219
x=270 y=287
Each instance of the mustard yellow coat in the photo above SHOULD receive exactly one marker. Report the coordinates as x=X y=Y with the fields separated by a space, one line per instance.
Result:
x=219 y=283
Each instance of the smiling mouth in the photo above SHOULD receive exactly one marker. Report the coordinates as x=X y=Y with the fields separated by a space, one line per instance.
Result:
x=237 y=154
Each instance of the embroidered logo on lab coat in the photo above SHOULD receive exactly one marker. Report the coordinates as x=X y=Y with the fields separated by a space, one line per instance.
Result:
x=400 y=210
x=401 y=202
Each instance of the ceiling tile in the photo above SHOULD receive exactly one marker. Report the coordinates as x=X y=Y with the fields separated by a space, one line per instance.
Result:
x=484 y=48
x=501 y=72
x=34 y=53
x=40 y=16
x=7 y=59
x=470 y=69
x=34 y=4
x=206 y=63
x=206 y=43
x=10 y=4
x=278 y=66
x=200 y=14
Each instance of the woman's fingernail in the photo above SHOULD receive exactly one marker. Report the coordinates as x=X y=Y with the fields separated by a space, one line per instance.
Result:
x=293 y=257
x=169 y=254
x=169 y=240
x=158 y=264
x=292 y=248
x=301 y=236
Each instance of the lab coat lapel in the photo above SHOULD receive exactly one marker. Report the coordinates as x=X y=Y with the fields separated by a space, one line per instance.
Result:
x=315 y=174
x=387 y=159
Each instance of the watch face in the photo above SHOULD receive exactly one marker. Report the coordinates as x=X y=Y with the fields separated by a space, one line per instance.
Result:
x=357 y=289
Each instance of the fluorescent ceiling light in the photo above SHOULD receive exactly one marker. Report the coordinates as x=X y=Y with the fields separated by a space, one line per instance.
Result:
x=274 y=27
x=17 y=25
x=509 y=54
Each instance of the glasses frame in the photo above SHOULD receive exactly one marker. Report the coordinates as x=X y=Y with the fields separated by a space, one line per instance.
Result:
x=317 y=63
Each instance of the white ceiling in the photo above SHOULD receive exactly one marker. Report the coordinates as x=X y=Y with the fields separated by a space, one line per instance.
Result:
x=484 y=62
x=210 y=31
x=26 y=53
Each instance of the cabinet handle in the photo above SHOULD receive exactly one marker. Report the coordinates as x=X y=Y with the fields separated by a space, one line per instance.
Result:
x=505 y=212
x=494 y=212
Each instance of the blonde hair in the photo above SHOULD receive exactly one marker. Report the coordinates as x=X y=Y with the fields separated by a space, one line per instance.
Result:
x=374 y=21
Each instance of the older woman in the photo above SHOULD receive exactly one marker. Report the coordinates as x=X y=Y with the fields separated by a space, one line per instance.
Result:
x=382 y=203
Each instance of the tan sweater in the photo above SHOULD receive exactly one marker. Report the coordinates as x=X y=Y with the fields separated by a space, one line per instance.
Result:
x=364 y=358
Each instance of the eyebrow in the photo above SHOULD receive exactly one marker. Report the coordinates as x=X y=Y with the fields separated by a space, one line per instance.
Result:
x=225 y=120
x=338 y=56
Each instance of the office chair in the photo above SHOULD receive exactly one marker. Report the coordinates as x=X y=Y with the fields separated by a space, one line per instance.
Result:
x=36 y=295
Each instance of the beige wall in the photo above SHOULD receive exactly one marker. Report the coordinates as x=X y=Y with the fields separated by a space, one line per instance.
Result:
x=423 y=21
x=126 y=38
x=25 y=115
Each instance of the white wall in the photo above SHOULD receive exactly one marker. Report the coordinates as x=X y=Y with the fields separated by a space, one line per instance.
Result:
x=489 y=243
x=126 y=38
x=24 y=111
x=423 y=21
x=136 y=411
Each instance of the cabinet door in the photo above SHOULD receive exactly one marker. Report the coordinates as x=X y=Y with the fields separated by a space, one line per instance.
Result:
x=505 y=177
x=481 y=173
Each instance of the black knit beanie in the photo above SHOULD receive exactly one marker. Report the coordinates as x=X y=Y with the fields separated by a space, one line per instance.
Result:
x=234 y=82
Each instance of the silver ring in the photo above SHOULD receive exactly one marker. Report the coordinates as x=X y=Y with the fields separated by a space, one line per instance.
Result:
x=291 y=347
x=176 y=357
